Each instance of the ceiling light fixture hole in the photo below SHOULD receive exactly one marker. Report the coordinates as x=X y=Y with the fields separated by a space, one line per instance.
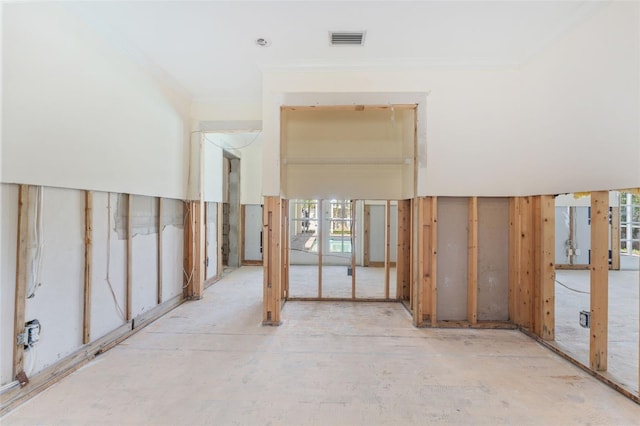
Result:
x=262 y=42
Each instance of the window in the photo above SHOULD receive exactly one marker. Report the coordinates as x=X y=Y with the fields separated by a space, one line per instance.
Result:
x=340 y=226
x=629 y=224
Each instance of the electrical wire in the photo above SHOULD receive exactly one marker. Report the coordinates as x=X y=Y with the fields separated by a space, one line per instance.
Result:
x=32 y=358
x=38 y=243
x=233 y=147
x=572 y=289
x=107 y=278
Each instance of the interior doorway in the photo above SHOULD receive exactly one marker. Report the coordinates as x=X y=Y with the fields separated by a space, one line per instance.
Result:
x=231 y=231
x=339 y=250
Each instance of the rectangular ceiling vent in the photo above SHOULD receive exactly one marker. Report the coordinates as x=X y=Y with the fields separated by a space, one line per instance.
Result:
x=352 y=38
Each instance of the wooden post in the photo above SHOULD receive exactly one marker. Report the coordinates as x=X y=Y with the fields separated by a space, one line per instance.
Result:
x=272 y=269
x=159 y=254
x=284 y=264
x=599 y=279
x=220 y=238
x=88 y=237
x=537 y=266
x=22 y=265
x=366 y=223
x=387 y=246
x=472 y=259
x=526 y=263
x=433 y=259
x=426 y=286
x=615 y=238
x=423 y=248
x=353 y=249
x=403 y=257
x=320 y=243
x=129 y=296
x=547 y=267
x=514 y=259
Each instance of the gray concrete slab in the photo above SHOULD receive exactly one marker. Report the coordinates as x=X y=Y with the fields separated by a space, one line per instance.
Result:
x=329 y=363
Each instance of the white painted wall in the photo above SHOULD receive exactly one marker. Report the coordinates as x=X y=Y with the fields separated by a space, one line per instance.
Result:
x=212 y=172
x=566 y=121
x=76 y=109
x=9 y=229
x=463 y=116
x=581 y=101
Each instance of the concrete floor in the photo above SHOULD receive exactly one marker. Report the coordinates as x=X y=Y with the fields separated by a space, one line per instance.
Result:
x=303 y=282
x=329 y=363
x=623 y=322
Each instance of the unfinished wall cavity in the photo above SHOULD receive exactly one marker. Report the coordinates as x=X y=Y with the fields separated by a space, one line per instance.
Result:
x=493 y=259
x=377 y=231
x=83 y=281
x=452 y=258
x=253 y=232
x=211 y=240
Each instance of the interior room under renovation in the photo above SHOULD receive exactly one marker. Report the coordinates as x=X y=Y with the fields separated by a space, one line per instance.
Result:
x=320 y=212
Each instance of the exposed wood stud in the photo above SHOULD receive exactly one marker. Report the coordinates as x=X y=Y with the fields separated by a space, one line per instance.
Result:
x=547 y=267
x=219 y=237
x=22 y=263
x=353 y=249
x=320 y=243
x=599 y=280
x=129 y=296
x=433 y=254
x=284 y=263
x=615 y=238
x=472 y=267
x=366 y=234
x=88 y=242
x=572 y=233
x=421 y=253
x=206 y=241
x=242 y=226
x=159 y=255
x=403 y=263
x=526 y=263
x=514 y=258
x=537 y=267
x=387 y=246
x=272 y=268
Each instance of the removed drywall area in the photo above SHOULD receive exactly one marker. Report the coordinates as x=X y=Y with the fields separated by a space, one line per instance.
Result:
x=253 y=232
x=493 y=259
x=452 y=258
x=9 y=224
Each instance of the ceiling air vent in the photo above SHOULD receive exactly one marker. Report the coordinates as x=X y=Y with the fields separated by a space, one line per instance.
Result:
x=353 y=38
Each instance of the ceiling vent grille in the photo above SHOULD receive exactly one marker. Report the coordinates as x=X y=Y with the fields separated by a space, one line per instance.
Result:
x=352 y=38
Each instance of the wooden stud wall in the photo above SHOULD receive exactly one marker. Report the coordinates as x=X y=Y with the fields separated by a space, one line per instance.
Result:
x=387 y=246
x=353 y=249
x=129 y=294
x=366 y=234
x=284 y=288
x=272 y=266
x=599 y=280
x=159 y=253
x=532 y=264
x=88 y=243
x=22 y=264
x=424 y=308
x=472 y=267
x=403 y=263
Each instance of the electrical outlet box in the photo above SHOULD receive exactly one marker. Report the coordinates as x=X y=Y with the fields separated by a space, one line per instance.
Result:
x=585 y=319
x=31 y=334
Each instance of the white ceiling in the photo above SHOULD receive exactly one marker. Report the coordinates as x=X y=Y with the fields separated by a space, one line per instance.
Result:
x=207 y=49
